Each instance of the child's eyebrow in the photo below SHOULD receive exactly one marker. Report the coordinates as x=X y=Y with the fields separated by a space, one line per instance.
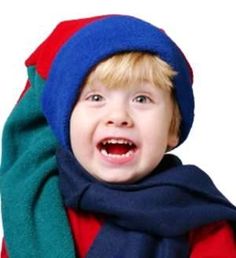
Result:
x=94 y=85
x=86 y=87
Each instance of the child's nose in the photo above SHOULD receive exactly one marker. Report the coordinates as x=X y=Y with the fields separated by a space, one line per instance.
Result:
x=119 y=117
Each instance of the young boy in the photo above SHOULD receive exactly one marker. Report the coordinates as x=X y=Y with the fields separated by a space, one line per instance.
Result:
x=117 y=95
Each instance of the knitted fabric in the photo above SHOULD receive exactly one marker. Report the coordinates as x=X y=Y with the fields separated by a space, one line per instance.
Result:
x=139 y=217
x=97 y=41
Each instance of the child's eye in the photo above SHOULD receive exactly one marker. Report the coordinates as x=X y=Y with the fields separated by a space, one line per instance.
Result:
x=142 y=99
x=95 y=98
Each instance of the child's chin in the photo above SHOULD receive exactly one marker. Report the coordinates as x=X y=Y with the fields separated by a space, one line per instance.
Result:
x=118 y=179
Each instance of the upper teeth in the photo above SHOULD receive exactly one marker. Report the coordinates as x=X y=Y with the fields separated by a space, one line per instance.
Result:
x=117 y=141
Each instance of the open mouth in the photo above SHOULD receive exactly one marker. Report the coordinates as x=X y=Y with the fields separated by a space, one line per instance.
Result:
x=116 y=148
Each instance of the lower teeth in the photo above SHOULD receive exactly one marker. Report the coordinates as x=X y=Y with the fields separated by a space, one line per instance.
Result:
x=127 y=154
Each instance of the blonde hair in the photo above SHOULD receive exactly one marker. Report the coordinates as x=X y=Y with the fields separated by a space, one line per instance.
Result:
x=129 y=68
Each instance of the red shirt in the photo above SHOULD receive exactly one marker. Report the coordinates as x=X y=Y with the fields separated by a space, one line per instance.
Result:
x=212 y=241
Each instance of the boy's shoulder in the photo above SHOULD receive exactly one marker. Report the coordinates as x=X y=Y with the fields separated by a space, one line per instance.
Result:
x=213 y=240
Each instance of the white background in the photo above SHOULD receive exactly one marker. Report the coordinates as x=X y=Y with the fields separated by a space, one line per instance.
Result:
x=205 y=31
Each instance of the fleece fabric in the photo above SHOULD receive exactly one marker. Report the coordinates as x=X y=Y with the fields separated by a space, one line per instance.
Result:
x=139 y=217
x=34 y=219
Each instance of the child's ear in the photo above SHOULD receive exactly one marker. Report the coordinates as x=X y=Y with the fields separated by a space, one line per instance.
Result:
x=173 y=141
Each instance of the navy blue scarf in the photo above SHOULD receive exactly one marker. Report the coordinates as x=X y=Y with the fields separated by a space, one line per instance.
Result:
x=150 y=218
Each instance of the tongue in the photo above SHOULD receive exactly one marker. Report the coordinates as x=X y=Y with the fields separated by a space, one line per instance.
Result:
x=118 y=149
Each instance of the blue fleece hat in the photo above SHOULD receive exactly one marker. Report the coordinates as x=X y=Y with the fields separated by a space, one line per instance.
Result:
x=96 y=41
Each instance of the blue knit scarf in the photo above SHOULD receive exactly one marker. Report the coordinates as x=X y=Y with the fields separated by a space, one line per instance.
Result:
x=150 y=218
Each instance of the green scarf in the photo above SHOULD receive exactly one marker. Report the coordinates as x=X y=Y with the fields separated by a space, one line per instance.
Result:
x=34 y=219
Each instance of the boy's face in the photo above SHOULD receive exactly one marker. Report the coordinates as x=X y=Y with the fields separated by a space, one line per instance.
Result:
x=120 y=135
